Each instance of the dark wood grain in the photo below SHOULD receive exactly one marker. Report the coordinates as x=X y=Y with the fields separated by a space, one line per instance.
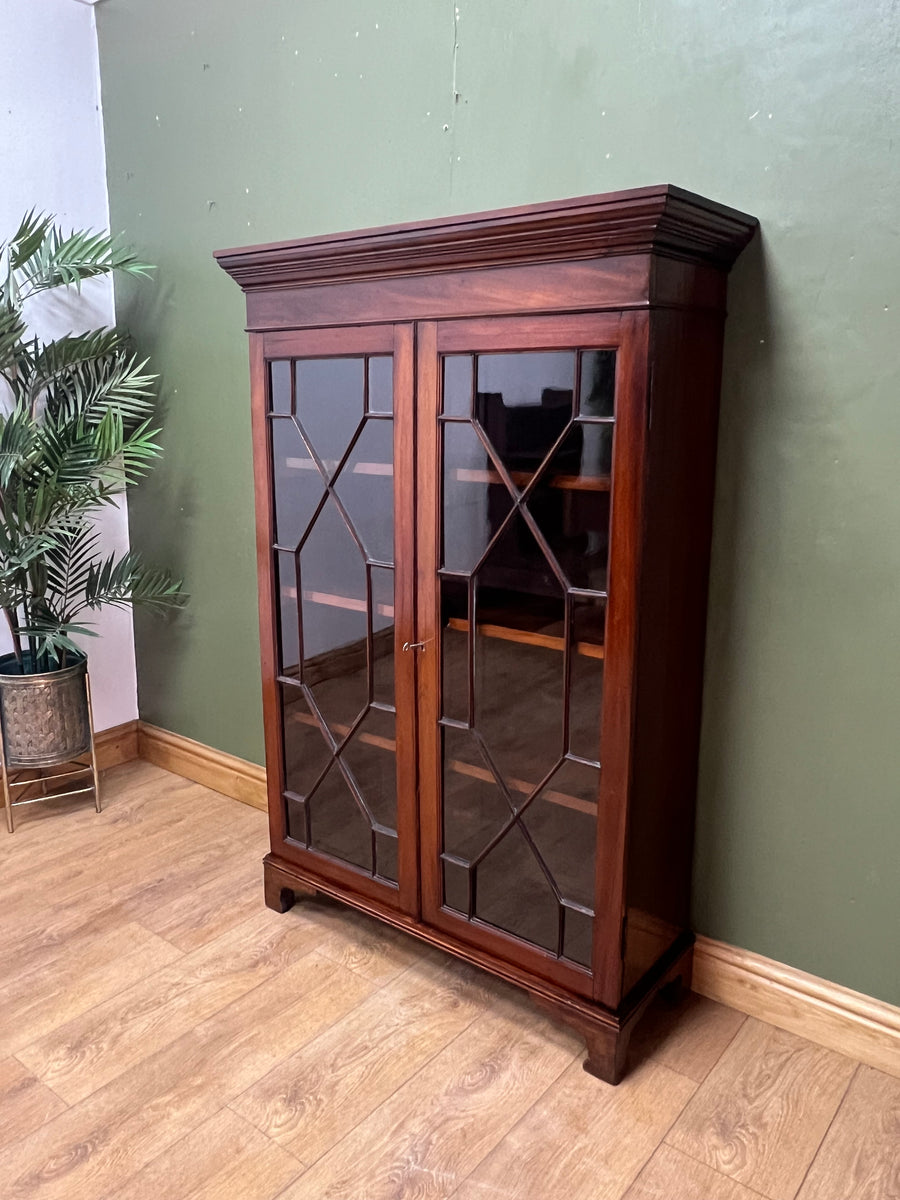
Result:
x=265 y=536
x=686 y=355
x=641 y=272
x=664 y=219
x=405 y=614
x=428 y=614
x=617 y=730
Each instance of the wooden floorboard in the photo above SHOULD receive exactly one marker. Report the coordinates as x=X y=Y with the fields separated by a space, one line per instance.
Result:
x=765 y=1107
x=163 y=1034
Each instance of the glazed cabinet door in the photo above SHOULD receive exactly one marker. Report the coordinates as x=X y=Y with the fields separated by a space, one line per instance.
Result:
x=518 y=443
x=334 y=464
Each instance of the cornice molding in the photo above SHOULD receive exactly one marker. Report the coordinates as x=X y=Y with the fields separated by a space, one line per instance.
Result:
x=662 y=220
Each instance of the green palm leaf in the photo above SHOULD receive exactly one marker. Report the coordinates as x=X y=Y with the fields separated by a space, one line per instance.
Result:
x=128 y=580
x=79 y=430
x=86 y=376
x=54 y=259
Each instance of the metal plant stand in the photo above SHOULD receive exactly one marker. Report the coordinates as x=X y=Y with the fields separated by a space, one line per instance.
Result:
x=61 y=744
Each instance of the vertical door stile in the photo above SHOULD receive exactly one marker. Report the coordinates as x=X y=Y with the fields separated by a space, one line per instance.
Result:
x=405 y=608
x=428 y=545
x=268 y=636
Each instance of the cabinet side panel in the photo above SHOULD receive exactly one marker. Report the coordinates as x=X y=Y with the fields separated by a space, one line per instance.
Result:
x=685 y=355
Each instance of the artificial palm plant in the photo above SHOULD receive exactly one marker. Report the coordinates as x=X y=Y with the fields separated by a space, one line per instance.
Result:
x=75 y=431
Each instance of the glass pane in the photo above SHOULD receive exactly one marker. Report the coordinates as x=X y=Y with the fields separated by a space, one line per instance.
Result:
x=330 y=398
x=371 y=756
x=523 y=403
x=456 y=887
x=458 y=385
x=513 y=893
x=337 y=824
x=280 y=387
x=562 y=824
x=306 y=750
x=366 y=488
x=570 y=504
x=340 y=782
x=475 y=499
x=579 y=936
x=296 y=819
x=288 y=614
x=455 y=649
x=586 y=680
x=383 y=634
x=335 y=625
x=598 y=383
x=475 y=809
x=381 y=384
x=519 y=661
x=386 y=856
x=516 y=803
x=297 y=483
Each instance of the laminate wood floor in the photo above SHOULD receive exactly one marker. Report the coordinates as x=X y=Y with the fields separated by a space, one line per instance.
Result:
x=165 y=1036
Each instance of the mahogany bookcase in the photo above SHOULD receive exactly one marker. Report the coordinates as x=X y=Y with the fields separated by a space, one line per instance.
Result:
x=484 y=459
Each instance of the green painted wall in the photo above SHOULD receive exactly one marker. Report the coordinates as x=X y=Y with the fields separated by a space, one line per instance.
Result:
x=232 y=123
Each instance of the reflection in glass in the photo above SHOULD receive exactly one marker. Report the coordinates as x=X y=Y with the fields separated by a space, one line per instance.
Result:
x=335 y=628
x=474 y=806
x=330 y=404
x=382 y=582
x=366 y=488
x=579 y=935
x=457 y=394
x=598 y=384
x=306 y=750
x=295 y=810
x=338 y=825
x=381 y=384
x=513 y=893
x=371 y=755
x=455 y=649
x=340 y=781
x=524 y=402
x=280 y=387
x=528 y=673
x=562 y=822
x=288 y=620
x=296 y=480
x=475 y=499
x=532 y=538
x=570 y=504
x=586 y=680
x=456 y=887
x=386 y=855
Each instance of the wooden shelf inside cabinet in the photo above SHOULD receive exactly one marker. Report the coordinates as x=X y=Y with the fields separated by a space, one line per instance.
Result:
x=526 y=637
x=523 y=786
x=566 y=483
x=358 y=468
x=368 y=739
x=583 y=571
x=333 y=600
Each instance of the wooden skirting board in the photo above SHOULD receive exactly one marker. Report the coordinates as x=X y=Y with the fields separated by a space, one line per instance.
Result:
x=234 y=777
x=117 y=745
x=825 y=1013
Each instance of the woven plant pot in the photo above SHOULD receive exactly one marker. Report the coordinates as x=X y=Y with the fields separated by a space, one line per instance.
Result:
x=44 y=718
